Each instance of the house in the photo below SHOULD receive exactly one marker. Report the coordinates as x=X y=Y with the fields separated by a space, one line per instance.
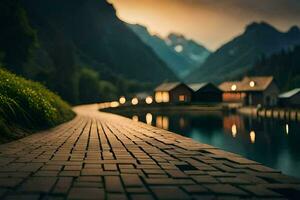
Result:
x=290 y=98
x=174 y=92
x=205 y=92
x=256 y=90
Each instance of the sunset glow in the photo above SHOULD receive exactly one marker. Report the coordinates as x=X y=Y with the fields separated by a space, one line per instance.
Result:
x=202 y=20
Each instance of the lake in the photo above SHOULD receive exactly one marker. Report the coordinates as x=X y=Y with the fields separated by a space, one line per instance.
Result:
x=275 y=143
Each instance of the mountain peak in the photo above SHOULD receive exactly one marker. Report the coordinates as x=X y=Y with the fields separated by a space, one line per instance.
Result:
x=260 y=26
x=294 y=30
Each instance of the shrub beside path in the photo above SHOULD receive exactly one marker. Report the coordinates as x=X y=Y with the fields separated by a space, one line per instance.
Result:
x=104 y=156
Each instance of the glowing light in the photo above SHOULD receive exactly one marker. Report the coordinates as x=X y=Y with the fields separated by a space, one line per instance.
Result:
x=158 y=97
x=233 y=87
x=122 y=100
x=252 y=137
x=159 y=121
x=165 y=97
x=252 y=83
x=162 y=122
x=134 y=101
x=149 y=100
x=149 y=118
x=234 y=130
x=135 y=118
x=165 y=123
x=178 y=48
x=287 y=129
x=181 y=98
x=114 y=104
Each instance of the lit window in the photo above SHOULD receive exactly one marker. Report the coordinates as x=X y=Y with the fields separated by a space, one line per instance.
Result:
x=158 y=97
x=287 y=129
x=233 y=87
x=181 y=98
x=149 y=100
x=134 y=101
x=252 y=83
x=122 y=100
x=165 y=97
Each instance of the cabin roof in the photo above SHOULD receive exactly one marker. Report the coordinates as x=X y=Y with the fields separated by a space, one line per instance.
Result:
x=165 y=87
x=290 y=93
x=197 y=86
x=261 y=83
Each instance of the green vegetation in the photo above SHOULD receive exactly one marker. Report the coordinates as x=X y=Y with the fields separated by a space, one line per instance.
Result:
x=27 y=106
x=284 y=66
x=39 y=41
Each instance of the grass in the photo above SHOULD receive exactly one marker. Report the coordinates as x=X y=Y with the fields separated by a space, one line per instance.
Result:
x=27 y=106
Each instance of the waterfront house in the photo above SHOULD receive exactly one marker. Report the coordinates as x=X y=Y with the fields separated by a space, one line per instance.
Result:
x=205 y=92
x=290 y=98
x=174 y=92
x=258 y=90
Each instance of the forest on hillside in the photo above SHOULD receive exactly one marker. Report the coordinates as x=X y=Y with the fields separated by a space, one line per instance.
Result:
x=284 y=66
x=83 y=59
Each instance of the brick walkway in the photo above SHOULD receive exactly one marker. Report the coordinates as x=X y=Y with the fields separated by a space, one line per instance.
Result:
x=98 y=156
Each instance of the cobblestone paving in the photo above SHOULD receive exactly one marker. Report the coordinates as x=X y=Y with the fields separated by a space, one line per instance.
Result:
x=105 y=156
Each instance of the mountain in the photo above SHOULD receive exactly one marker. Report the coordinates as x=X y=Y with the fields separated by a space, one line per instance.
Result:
x=71 y=35
x=236 y=57
x=180 y=54
x=284 y=66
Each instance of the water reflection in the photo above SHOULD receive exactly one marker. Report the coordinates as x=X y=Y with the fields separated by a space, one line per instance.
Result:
x=252 y=137
x=135 y=118
x=234 y=130
x=149 y=118
x=162 y=122
x=264 y=140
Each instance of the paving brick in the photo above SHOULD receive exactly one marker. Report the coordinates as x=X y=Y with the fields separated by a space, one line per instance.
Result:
x=99 y=155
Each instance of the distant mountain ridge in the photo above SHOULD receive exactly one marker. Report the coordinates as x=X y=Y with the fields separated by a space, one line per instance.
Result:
x=180 y=54
x=235 y=58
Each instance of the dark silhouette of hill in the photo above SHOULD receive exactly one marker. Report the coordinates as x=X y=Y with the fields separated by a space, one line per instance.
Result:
x=284 y=66
x=56 y=40
x=180 y=54
x=236 y=57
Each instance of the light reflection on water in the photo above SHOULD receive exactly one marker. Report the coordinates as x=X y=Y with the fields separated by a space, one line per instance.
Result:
x=274 y=143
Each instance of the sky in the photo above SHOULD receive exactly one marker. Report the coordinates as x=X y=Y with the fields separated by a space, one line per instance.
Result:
x=209 y=22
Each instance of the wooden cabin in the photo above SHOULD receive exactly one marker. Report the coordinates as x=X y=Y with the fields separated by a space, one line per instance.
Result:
x=258 y=90
x=175 y=92
x=290 y=98
x=206 y=93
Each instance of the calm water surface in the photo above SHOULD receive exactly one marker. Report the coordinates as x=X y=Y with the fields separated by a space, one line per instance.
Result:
x=274 y=143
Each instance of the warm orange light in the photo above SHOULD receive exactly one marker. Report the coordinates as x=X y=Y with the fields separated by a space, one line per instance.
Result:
x=114 y=104
x=234 y=130
x=165 y=97
x=158 y=97
x=149 y=118
x=159 y=121
x=233 y=87
x=252 y=83
x=181 y=98
x=149 y=100
x=165 y=123
x=135 y=118
x=252 y=137
x=122 y=100
x=134 y=101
